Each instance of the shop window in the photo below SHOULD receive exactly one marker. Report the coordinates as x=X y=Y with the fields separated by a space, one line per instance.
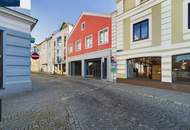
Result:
x=141 y=30
x=89 y=41
x=181 y=68
x=145 y=68
x=103 y=37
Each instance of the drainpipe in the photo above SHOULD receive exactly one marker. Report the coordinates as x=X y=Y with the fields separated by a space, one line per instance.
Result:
x=54 y=60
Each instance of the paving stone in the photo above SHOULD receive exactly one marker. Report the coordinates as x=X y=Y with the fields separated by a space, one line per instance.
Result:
x=60 y=103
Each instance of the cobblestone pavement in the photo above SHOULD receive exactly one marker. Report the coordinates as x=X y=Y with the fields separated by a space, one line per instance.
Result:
x=60 y=103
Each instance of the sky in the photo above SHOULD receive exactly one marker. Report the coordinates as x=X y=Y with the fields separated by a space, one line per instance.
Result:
x=51 y=13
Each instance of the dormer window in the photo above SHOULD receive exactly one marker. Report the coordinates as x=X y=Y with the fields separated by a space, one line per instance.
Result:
x=82 y=26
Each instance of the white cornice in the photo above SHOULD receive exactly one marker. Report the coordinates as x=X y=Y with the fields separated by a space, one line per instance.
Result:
x=19 y=15
x=138 y=9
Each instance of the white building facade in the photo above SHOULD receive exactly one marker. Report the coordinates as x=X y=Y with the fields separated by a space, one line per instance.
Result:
x=60 y=48
x=53 y=52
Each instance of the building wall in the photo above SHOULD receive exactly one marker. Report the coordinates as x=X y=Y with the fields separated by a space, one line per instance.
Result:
x=35 y=66
x=64 y=32
x=46 y=53
x=93 y=25
x=168 y=33
x=16 y=60
x=16 y=29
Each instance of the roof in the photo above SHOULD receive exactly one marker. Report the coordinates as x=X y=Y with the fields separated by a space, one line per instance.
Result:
x=65 y=24
x=19 y=15
x=46 y=39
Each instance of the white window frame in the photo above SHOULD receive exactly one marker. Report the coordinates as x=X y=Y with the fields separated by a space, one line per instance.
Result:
x=137 y=2
x=185 y=16
x=81 y=26
x=76 y=49
x=86 y=47
x=99 y=43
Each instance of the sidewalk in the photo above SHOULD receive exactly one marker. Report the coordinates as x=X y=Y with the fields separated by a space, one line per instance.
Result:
x=178 y=98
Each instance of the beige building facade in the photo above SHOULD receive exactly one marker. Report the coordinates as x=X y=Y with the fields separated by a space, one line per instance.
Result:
x=53 y=52
x=151 y=40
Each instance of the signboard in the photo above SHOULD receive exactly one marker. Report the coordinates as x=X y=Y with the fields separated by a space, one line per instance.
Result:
x=113 y=69
x=35 y=56
x=10 y=3
x=113 y=64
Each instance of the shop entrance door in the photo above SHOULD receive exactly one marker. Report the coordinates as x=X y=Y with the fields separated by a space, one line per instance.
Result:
x=1 y=59
x=93 y=68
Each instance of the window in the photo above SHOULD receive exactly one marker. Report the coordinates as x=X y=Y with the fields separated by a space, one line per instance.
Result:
x=70 y=49
x=188 y=15
x=82 y=26
x=141 y=30
x=59 y=39
x=138 y=2
x=57 y=52
x=89 y=41
x=181 y=68
x=78 y=45
x=65 y=38
x=103 y=37
x=142 y=1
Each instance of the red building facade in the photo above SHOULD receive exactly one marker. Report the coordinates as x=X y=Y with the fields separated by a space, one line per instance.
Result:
x=89 y=46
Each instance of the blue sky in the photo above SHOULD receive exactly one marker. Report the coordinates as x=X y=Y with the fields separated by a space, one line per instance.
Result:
x=51 y=13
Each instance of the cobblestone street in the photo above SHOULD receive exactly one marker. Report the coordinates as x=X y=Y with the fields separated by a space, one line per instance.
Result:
x=60 y=103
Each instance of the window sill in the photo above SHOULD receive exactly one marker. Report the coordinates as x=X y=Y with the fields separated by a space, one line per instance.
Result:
x=100 y=44
x=141 y=41
x=88 y=48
